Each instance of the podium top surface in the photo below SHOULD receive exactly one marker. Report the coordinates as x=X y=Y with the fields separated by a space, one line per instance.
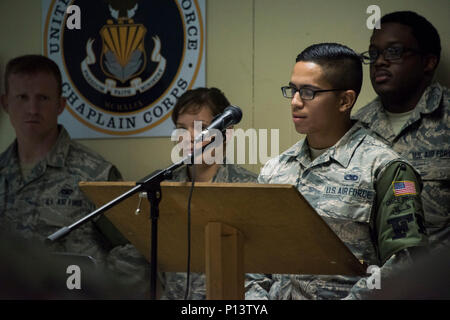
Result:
x=282 y=233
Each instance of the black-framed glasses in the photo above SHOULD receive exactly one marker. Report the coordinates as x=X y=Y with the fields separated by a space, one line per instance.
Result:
x=389 y=54
x=305 y=92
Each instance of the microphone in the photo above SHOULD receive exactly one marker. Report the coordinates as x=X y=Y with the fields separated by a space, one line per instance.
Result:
x=231 y=115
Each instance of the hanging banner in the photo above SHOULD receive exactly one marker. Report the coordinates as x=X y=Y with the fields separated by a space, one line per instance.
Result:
x=124 y=63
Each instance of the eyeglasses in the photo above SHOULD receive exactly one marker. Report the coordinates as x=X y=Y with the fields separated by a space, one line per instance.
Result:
x=389 y=54
x=305 y=93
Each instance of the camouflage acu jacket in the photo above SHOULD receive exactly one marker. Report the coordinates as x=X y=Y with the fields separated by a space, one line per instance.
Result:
x=49 y=197
x=424 y=141
x=342 y=186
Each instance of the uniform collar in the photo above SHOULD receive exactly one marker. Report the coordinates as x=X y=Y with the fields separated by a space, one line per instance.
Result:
x=182 y=174
x=341 y=152
x=375 y=117
x=58 y=153
x=221 y=173
x=431 y=99
x=9 y=162
x=428 y=103
x=55 y=158
x=299 y=151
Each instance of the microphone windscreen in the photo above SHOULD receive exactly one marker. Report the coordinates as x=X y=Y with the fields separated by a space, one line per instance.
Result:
x=236 y=113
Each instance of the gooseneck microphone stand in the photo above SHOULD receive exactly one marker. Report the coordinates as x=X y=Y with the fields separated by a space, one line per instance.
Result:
x=152 y=186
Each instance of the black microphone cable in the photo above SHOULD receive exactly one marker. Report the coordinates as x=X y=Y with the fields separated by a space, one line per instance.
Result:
x=186 y=294
x=189 y=234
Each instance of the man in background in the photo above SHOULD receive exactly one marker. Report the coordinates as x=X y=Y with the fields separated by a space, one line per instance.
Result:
x=411 y=112
x=41 y=169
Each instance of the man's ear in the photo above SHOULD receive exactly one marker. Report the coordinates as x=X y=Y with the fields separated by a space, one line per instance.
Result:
x=62 y=105
x=431 y=62
x=4 y=100
x=348 y=99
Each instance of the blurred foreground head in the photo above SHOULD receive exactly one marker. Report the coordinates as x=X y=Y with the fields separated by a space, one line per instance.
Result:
x=29 y=271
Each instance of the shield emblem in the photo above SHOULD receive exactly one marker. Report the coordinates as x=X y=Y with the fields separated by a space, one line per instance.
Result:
x=123 y=55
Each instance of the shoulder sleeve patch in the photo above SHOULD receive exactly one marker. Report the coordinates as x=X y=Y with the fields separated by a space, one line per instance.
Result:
x=402 y=188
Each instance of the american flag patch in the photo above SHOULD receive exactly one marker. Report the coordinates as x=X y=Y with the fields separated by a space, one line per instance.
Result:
x=404 y=187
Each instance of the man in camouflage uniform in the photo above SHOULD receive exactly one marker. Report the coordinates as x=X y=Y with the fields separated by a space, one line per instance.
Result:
x=411 y=114
x=48 y=198
x=365 y=192
x=41 y=169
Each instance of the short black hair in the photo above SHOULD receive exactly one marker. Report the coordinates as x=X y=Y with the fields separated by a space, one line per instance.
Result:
x=341 y=65
x=425 y=33
x=31 y=64
x=195 y=99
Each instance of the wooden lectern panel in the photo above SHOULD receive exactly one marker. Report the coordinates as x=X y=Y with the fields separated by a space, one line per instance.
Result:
x=282 y=233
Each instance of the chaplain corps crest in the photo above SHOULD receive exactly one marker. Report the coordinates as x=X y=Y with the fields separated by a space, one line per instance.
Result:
x=123 y=56
x=124 y=70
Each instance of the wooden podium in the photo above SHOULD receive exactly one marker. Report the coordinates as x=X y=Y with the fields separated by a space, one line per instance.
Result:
x=236 y=228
